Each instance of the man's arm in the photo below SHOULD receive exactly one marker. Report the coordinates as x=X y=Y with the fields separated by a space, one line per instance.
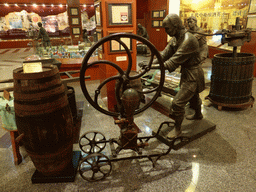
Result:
x=165 y=54
x=179 y=58
x=187 y=49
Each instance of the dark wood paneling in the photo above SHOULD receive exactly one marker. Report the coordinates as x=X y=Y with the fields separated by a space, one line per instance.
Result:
x=142 y=8
x=156 y=35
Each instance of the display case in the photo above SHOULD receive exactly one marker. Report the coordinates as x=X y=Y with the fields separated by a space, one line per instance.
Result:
x=63 y=51
x=18 y=23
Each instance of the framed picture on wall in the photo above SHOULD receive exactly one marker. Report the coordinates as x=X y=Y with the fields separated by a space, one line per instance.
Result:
x=99 y=35
x=75 y=21
x=252 y=8
x=76 y=31
x=74 y=11
x=119 y=14
x=157 y=23
x=98 y=19
x=158 y=14
x=115 y=46
x=251 y=22
x=162 y=13
x=155 y=14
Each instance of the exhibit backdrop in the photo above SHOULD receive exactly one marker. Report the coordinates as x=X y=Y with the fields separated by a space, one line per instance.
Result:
x=214 y=15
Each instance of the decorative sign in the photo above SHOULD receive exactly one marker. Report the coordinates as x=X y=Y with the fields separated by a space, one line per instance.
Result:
x=35 y=67
x=121 y=58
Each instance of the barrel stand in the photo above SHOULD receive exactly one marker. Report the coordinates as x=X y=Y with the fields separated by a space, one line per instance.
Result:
x=15 y=148
x=241 y=106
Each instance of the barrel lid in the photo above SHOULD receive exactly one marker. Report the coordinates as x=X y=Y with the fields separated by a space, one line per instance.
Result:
x=230 y=56
x=48 y=70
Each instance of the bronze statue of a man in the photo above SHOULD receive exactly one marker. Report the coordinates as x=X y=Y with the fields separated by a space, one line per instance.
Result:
x=203 y=47
x=142 y=31
x=42 y=34
x=183 y=50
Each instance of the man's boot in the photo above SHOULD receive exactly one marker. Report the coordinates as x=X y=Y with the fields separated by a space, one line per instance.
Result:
x=197 y=115
x=177 y=127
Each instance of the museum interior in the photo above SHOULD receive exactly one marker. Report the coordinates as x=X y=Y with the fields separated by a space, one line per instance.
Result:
x=128 y=95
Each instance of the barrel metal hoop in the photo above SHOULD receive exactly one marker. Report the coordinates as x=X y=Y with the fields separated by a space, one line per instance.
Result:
x=44 y=100
x=18 y=73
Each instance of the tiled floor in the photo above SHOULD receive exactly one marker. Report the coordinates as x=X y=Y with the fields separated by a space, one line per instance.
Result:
x=224 y=160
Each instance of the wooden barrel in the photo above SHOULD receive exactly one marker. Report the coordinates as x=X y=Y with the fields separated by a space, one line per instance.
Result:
x=232 y=77
x=43 y=115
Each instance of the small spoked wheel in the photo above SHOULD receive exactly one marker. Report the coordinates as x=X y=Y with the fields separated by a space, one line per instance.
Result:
x=95 y=167
x=92 y=142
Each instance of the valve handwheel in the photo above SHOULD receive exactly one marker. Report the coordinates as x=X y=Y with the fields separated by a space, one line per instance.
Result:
x=123 y=76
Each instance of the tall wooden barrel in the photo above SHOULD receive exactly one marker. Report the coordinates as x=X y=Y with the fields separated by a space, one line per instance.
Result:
x=232 y=77
x=43 y=115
